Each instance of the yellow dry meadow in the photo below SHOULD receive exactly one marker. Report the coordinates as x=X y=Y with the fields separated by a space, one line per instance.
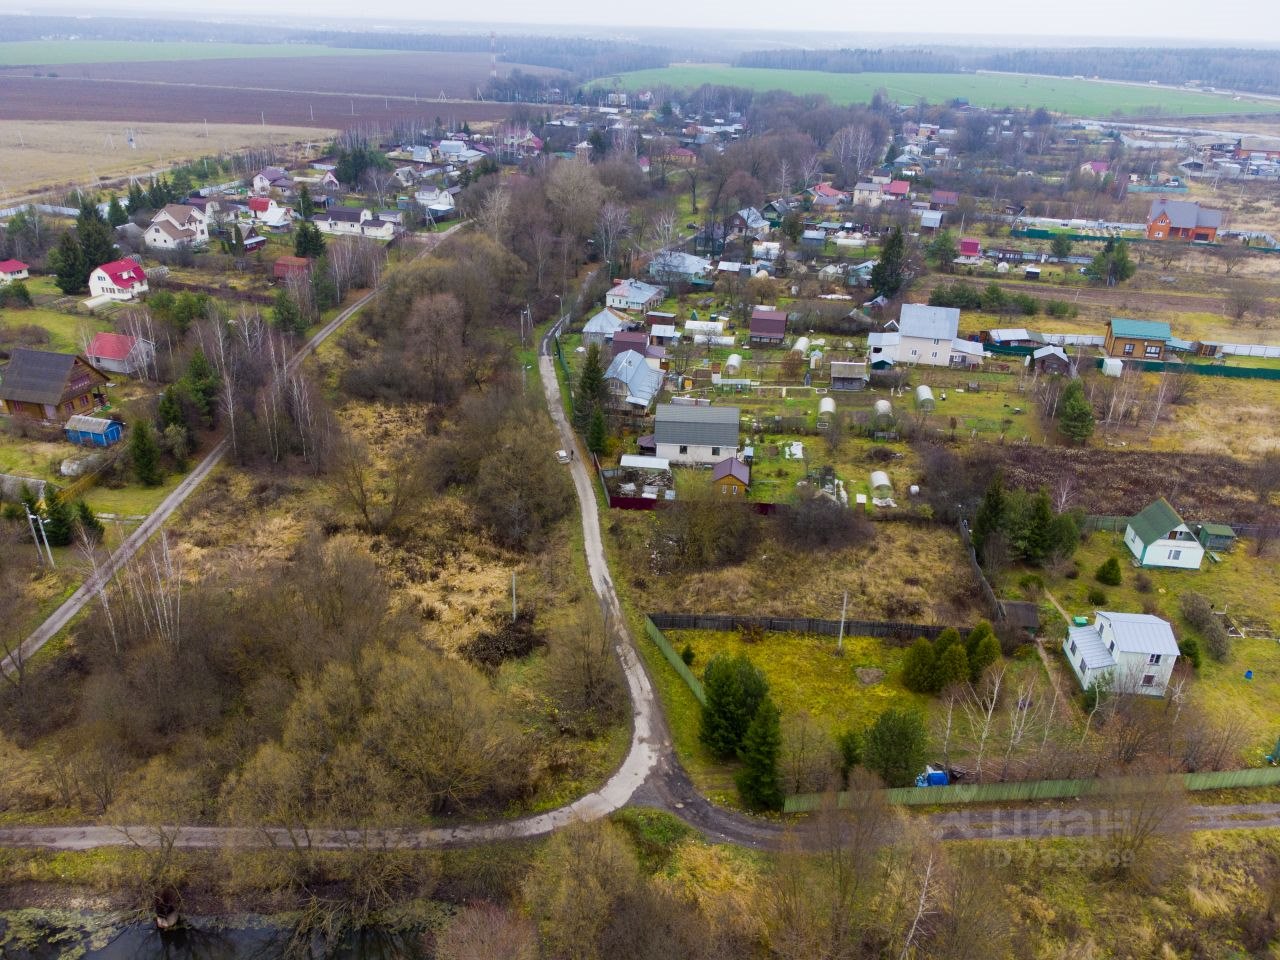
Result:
x=38 y=156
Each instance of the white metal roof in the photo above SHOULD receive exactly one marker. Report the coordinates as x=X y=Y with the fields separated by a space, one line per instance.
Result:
x=1089 y=645
x=1140 y=633
x=635 y=462
x=928 y=323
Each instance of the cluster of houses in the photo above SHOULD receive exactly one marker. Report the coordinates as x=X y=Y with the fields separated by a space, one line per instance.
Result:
x=1220 y=154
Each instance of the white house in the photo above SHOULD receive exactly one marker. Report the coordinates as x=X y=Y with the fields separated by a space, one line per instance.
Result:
x=925 y=335
x=177 y=224
x=633 y=295
x=267 y=211
x=352 y=222
x=695 y=435
x=1130 y=652
x=271 y=178
x=117 y=280
x=1158 y=537
x=868 y=194
x=676 y=265
x=11 y=270
x=438 y=201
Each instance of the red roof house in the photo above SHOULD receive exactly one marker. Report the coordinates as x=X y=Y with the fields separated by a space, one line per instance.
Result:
x=260 y=204
x=118 y=280
x=119 y=353
x=11 y=270
x=969 y=247
x=898 y=188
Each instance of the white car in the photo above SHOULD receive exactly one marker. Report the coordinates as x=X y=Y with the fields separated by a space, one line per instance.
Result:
x=562 y=456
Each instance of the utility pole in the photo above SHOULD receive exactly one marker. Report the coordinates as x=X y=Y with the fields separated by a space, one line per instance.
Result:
x=513 y=596
x=844 y=608
x=37 y=522
x=34 y=537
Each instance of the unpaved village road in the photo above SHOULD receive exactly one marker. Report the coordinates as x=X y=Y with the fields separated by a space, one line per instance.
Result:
x=650 y=775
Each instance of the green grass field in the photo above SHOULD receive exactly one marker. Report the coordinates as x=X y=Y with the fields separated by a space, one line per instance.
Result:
x=52 y=52
x=1077 y=97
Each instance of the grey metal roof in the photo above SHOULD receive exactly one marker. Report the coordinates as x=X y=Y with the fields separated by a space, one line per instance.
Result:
x=928 y=323
x=1089 y=644
x=711 y=426
x=1140 y=633
x=1185 y=214
x=606 y=322
x=642 y=381
x=86 y=424
x=35 y=376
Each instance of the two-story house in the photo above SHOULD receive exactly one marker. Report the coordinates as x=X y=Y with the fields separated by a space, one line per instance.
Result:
x=175 y=225
x=44 y=385
x=118 y=280
x=1128 y=652
x=1182 y=220
x=632 y=385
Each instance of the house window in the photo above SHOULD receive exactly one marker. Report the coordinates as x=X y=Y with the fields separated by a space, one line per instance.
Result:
x=935 y=354
x=1113 y=646
x=1153 y=351
x=1175 y=554
x=1153 y=659
x=683 y=448
x=913 y=353
x=1149 y=680
x=1128 y=349
x=724 y=488
x=715 y=451
x=1073 y=648
x=1083 y=668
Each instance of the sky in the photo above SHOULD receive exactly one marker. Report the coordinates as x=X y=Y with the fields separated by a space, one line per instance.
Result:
x=1248 y=21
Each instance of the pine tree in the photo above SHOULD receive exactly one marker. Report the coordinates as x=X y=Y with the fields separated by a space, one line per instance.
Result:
x=1034 y=538
x=145 y=454
x=758 y=782
x=991 y=514
x=201 y=380
x=1109 y=572
x=888 y=276
x=1075 y=414
x=89 y=522
x=116 y=215
x=919 y=667
x=597 y=437
x=591 y=389
x=953 y=667
x=894 y=747
x=137 y=197
x=307 y=241
x=67 y=261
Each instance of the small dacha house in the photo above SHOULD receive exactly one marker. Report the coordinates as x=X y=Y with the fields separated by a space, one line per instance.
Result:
x=1158 y=537
x=731 y=478
x=49 y=386
x=1128 y=652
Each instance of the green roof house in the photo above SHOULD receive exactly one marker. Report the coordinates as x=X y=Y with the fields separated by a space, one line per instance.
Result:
x=1158 y=537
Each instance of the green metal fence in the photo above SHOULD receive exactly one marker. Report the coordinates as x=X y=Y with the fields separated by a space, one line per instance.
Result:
x=1036 y=789
x=1201 y=369
x=568 y=380
x=682 y=668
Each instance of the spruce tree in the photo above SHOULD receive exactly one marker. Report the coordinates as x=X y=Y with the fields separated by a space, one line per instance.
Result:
x=286 y=314
x=1035 y=539
x=991 y=514
x=306 y=205
x=888 y=276
x=116 y=215
x=67 y=261
x=59 y=520
x=953 y=667
x=984 y=655
x=758 y=782
x=591 y=389
x=1075 y=414
x=734 y=689
x=88 y=521
x=145 y=453
x=597 y=436
x=96 y=244
x=137 y=197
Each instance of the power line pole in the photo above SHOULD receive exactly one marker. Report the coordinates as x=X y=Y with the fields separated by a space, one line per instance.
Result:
x=844 y=607
x=513 y=596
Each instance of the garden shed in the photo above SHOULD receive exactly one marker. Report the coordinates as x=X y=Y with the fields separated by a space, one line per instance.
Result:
x=1215 y=536
x=93 y=431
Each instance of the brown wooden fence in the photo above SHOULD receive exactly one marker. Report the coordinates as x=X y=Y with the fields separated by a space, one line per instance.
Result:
x=898 y=631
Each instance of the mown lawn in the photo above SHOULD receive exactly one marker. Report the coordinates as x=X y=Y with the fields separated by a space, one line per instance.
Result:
x=65 y=329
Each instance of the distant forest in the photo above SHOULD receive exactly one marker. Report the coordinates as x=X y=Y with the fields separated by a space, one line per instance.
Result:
x=1255 y=71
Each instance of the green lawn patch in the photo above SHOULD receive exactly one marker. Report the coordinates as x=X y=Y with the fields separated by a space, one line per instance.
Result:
x=64 y=329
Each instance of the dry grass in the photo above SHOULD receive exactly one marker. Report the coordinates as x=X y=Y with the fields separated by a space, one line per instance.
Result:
x=1226 y=416
x=37 y=156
